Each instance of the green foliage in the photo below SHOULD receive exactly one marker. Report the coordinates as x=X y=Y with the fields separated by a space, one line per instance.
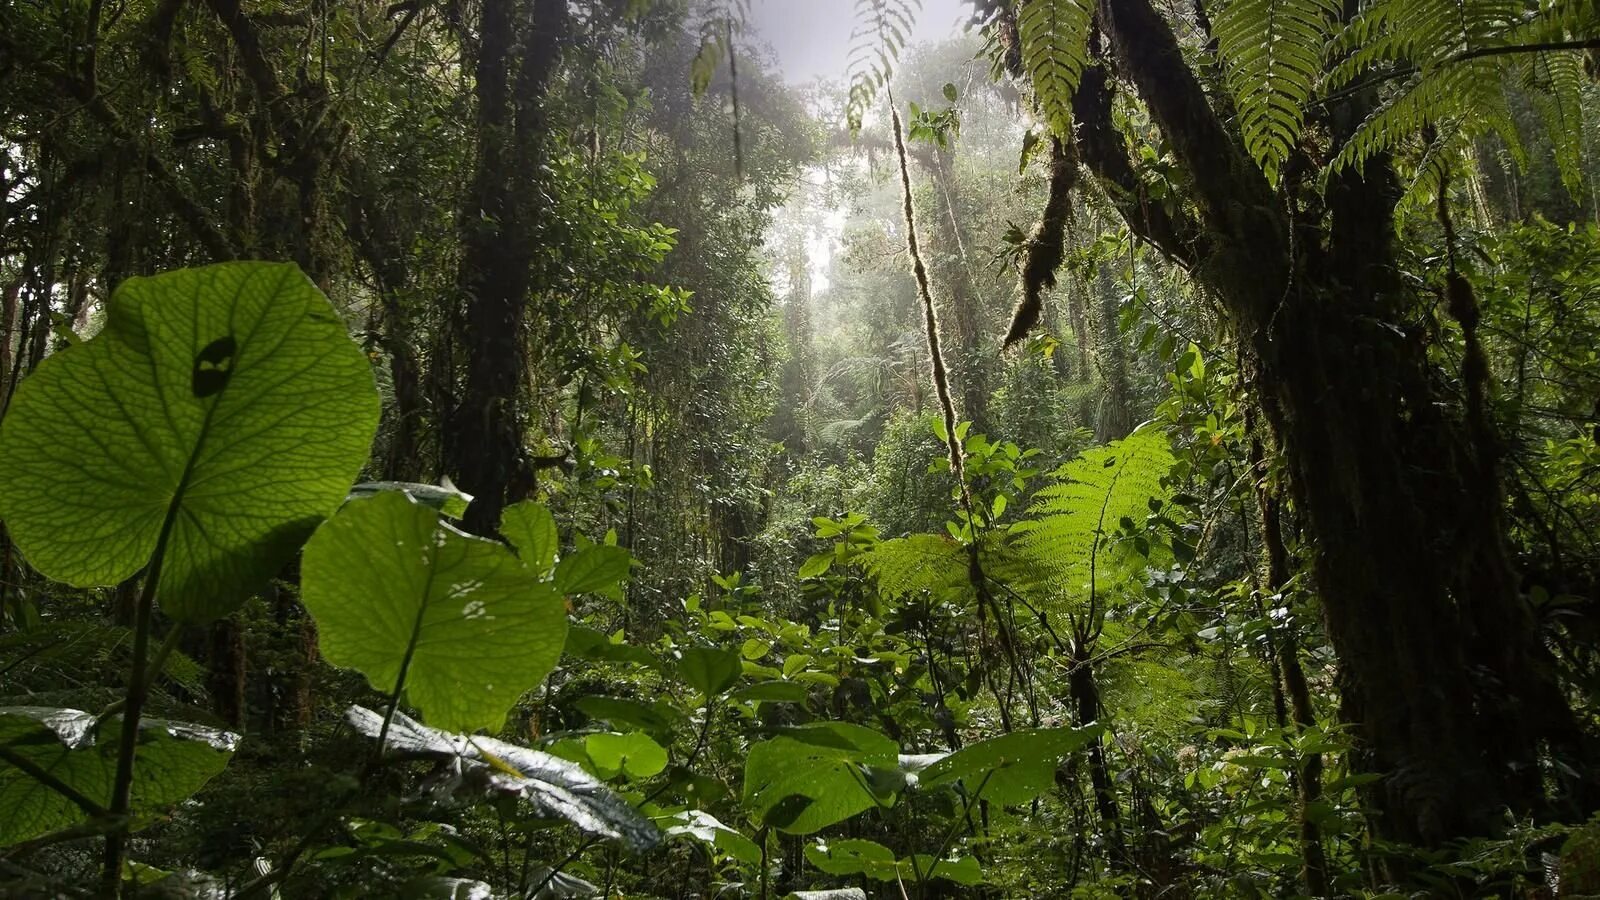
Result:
x=457 y=622
x=221 y=414
x=172 y=761
x=815 y=775
x=1012 y=768
x=1055 y=51
x=1274 y=51
x=484 y=765
x=1075 y=531
x=869 y=858
x=1453 y=57
x=882 y=29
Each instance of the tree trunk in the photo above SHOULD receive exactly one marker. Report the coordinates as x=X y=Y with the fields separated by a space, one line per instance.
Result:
x=1441 y=662
x=483 y=446
x=1115 y=421
x=1086 y=697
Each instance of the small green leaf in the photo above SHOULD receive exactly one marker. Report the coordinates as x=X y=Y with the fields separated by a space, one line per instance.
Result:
x=950 y=92
x=963 y=870
x=225 y=407
x=817 y=565
x=709 y=670
x=661 y=720
x=591 y=570
x=854 y=857
x=706 y=828
x=586 y=643
x=390 y=586
x=1012 y=768
x=814 y=776
x=531 y=529
x=634 y=755
x=771 y=692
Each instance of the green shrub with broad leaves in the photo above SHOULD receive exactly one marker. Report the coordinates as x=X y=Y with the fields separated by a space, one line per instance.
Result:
x=210 y=433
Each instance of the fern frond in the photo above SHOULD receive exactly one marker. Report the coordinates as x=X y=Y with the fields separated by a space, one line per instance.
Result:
x=917 y=563
x=1272 y=51
x=882 y=29
x=1055 y=51
x=1072 y=534
x=1466 y=96
x=1555 y=85
x=1455 y=83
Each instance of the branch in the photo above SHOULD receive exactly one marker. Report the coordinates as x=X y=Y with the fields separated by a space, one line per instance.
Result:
x=197 y=217
x=1236 y=203
x=1103 y=149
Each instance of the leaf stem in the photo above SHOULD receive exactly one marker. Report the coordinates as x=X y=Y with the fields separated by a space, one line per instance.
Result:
x=405 y=662
x=132 y=709
x=44 y=777
x=157 y=662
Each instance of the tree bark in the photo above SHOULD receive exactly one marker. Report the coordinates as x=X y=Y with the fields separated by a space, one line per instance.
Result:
x=1441 y=662
x=483 y=447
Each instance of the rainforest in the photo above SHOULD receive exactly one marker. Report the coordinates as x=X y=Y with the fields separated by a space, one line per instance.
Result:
x=799 y=449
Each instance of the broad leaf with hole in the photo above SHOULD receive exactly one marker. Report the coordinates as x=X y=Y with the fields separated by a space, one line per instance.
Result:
x=224 y=407
x=1012 y=768
x=555 y=786
x=172 y=761
x=392 y=587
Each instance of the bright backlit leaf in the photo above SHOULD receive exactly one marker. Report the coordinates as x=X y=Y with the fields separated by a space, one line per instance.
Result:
x=225 y=406
x=393 y=588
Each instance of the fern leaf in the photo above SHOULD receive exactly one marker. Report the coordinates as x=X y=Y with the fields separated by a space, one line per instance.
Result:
x=1055 y=51
x=1073 y=532
x=882 y=29
x=1272 y=52
x=917 y=563
x=1555 y=85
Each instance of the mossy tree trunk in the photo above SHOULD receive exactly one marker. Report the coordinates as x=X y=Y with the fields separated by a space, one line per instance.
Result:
x=1441 y=662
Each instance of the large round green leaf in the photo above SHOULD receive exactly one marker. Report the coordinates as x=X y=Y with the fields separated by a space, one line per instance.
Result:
x=172 y=761
x=225 y=406
x=387 y=581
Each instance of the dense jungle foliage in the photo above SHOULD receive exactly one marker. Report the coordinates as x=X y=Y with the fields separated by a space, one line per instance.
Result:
x=539 y=449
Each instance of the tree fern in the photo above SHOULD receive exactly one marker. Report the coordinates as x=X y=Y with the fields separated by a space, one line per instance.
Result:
x=917 y=563
x=1055 y=51
x=1073 y=535
x=1555 y=83
x=882 y=29
x=1451 y=55
x=1273 y=52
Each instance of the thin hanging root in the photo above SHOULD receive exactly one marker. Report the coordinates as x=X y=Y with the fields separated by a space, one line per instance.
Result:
x=930 y=319
x=947 y=407
x=1047 y=246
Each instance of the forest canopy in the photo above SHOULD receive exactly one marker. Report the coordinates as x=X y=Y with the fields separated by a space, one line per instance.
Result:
x=567 y=449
